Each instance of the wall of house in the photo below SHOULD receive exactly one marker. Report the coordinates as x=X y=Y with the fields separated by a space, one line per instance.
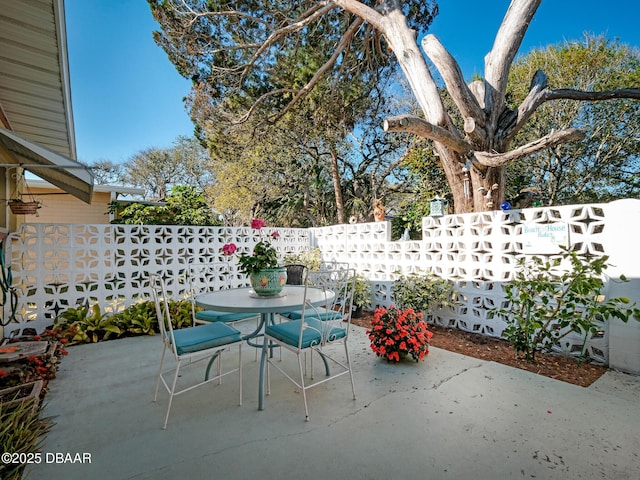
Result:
x=8 y=222
x=57 y=266
x=60 y=207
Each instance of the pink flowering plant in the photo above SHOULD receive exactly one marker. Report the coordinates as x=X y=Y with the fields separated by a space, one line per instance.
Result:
x=264 y=254
x=397 y=333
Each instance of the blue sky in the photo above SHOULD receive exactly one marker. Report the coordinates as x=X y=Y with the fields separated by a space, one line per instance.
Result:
x=127 y=96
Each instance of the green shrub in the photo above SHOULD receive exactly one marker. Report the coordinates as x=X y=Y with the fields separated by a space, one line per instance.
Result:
x=312 y=259
x=545 y=303
x=362 y=293
x=181 y=313
x=88 y=324
x=424 y=292
x=139 y=318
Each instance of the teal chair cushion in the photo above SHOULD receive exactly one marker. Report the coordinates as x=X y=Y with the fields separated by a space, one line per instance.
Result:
x=321 y=313
x=289 y=332
x=202 y=337
x=215 y=316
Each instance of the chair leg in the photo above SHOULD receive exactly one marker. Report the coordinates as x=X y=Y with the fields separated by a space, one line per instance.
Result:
x=155 y=395
x=240 y=371
x=171 y=393
x=353 y=385
x=304 y=389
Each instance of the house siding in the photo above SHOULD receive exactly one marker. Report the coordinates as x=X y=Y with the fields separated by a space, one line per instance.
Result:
x=59 y=207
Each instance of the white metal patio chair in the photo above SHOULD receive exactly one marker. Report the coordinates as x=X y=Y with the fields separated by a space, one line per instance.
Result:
x=331 y=276
x=315 y=331
x=191 y=345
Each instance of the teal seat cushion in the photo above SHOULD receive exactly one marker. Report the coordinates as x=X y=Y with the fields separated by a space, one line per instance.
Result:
x=321 y=313
x=289 y=332
x=202 y=337
x=215 y=316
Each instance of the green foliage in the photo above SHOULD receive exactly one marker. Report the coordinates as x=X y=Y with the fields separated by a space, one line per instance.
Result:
x=89 y=325
x=410 y=216
x=85 y=324
x=424 y=292
x=184 y=206
x=548 y=302
x=430 y=181
x=139 y=318
x=362 y=292
x=21 y=431
x=181 y=313
x=603 y=166
x=305 y=106
x=312 y=259
x=264 y=256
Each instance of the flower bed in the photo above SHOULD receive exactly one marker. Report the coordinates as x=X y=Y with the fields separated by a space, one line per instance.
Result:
x=36 y=363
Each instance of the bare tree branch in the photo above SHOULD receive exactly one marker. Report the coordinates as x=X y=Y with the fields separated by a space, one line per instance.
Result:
x=422 y=128
x=511 y=121
x=456 y=86
x=505 y=47
x=550 y=140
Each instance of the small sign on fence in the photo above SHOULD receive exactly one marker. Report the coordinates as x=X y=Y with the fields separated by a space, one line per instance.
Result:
x=544 y=238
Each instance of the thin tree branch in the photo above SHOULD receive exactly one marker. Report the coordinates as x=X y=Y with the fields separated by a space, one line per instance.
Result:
x=342 y=45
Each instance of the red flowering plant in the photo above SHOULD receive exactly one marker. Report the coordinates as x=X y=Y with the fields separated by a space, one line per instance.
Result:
x=397 y=333
x=264 y=254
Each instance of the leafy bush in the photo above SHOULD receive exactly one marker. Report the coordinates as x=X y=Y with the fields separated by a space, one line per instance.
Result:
x=546 y=303
x=139 y=318
x=85 y=324
x=88 y=324
x=424 y=292
x=362 y=293
x=312 y=259
x=181 y=313
x=185 y=205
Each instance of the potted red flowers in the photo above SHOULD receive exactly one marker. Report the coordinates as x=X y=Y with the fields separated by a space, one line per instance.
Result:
x=396 y=334
x=261 y=265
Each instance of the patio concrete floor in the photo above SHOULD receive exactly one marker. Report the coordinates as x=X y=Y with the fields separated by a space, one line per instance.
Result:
x=449 y=417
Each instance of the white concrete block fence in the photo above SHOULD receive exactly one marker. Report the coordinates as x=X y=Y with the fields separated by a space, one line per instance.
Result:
x=59 y=266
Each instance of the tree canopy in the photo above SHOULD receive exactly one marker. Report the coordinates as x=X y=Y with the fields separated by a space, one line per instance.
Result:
x=605 y=165
x=184 y=205
x=157 y=170
x=262 y=58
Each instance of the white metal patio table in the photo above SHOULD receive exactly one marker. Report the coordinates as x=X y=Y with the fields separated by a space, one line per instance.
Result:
x=244 y=300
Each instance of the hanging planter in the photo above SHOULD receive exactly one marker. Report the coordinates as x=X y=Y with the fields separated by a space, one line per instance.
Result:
x=19 y=207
